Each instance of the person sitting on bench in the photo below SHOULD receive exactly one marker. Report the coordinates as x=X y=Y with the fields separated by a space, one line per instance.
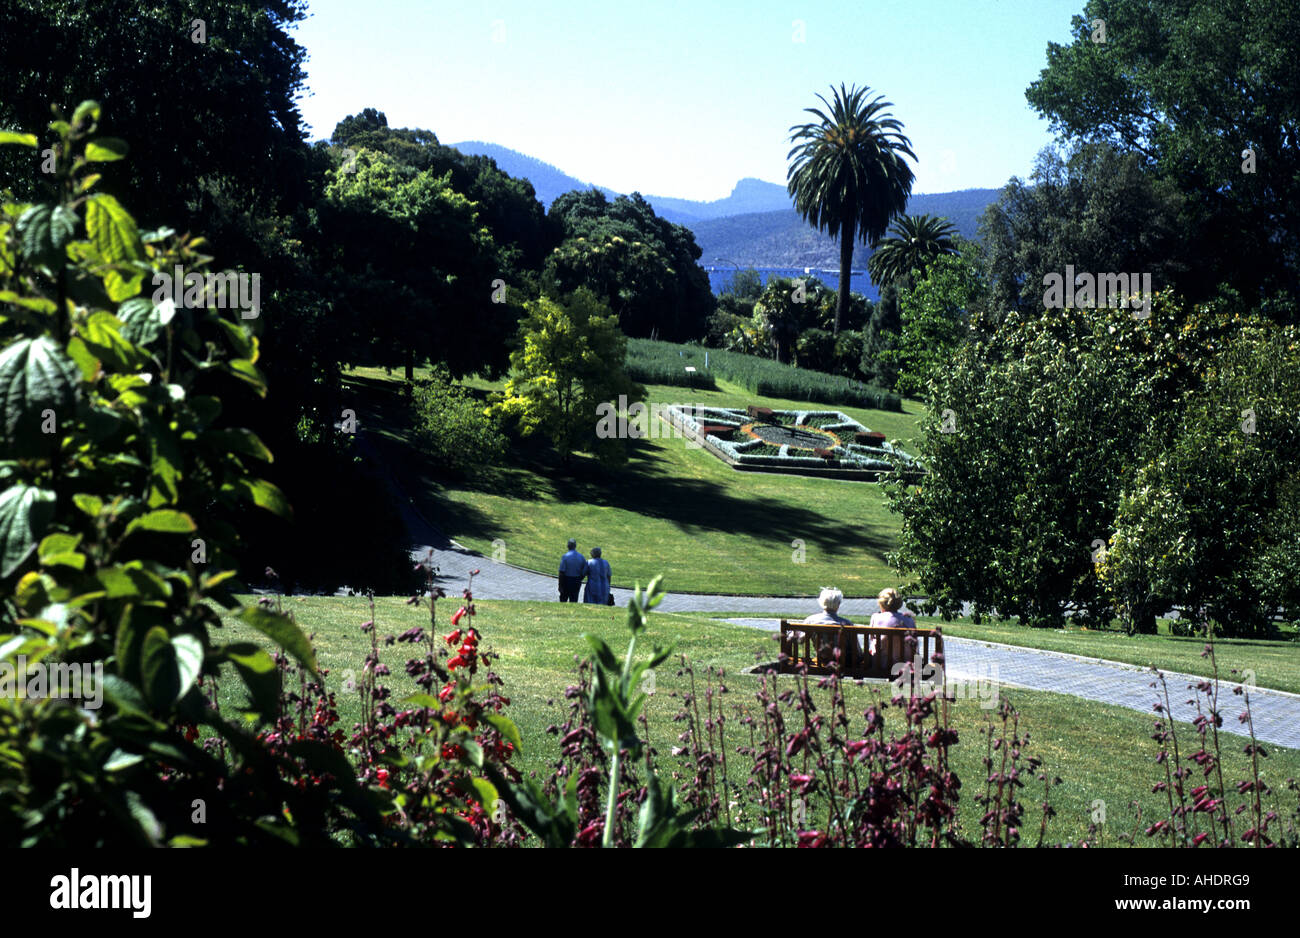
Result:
x=830 y=600
x=889 y=617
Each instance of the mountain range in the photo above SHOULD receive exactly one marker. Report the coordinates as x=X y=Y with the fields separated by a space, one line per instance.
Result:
x=755 y=225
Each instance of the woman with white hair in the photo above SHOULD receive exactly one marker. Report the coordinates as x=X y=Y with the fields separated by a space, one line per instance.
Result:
x=830 y=600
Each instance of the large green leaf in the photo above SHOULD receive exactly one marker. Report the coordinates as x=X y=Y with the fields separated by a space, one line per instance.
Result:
x=112 y=230
x=24 y=513
x=43 y=230
x=261 y=676
x=35 y=376
x=506 y=727
x=169 y=666
x=165 y=521
x=141 y=323
x=105 y=150
x=127 y=646
x=263 y=494
x=281 y=630
x=22 y=140
x=239 y=440
x=102 y=335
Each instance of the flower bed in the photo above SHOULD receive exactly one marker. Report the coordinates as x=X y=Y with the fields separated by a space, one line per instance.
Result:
x=793 y=440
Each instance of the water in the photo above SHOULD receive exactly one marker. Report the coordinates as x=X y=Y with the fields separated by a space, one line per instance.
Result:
x=859 y=282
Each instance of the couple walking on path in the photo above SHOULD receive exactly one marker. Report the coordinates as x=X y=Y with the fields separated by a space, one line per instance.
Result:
x=574 y=568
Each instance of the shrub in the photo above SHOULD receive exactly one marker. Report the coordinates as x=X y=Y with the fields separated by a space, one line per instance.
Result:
x=848 y=355
x=116 y=541
x=815 y=350
x=454 y=427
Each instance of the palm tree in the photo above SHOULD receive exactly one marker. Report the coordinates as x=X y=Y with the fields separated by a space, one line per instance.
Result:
x=848 y=176
x=916 y=241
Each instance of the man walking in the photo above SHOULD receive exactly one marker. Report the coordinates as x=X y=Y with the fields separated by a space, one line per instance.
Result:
x=572 y=568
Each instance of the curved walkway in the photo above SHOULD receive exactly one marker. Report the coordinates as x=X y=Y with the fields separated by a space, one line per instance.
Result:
x=978 y=664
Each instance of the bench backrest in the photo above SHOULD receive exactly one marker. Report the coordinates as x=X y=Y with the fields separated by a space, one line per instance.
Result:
x=813 y=645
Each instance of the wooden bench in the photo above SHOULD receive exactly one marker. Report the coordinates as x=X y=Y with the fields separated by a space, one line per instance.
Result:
x=814 y=645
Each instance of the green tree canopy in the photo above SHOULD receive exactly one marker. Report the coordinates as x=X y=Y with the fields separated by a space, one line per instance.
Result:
x=1033 y=434
x=1187 y=87
x=1096 y=210
x=570 y=360
x=1212 y=522
x=646 y=269
x=934 y=316
x=418 y=263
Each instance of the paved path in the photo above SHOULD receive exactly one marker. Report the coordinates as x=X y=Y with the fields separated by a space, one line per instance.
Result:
x=979 y=665
x=1276 y=713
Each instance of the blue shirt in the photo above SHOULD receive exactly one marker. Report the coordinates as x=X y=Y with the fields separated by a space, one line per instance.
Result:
x=597 y=580
x=573 y=564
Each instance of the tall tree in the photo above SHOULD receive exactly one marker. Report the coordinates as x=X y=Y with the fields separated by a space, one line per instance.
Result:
x=1206 y=93
x=848 y=175
x=645 y=268
x=1093 y=208
x=915 y=241
x=934 y=313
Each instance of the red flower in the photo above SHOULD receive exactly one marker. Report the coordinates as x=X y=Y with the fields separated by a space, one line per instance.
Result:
x=382 y=775
x=455 y=620
x=453 y=638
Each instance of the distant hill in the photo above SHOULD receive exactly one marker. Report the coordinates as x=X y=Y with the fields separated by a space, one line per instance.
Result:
x=548 y=182
x=783 y=239
x=750 y=195
x=753 y=226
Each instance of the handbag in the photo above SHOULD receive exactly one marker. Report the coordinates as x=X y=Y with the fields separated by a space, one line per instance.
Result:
x=609 y=601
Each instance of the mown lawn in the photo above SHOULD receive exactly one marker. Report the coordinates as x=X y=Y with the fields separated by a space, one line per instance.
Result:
x=672 y=509
x=1102 y=753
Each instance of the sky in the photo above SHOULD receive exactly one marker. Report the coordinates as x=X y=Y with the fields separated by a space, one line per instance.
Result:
x=684 y=99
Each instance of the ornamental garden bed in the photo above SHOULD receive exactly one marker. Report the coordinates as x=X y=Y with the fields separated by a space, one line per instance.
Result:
x=805 y=442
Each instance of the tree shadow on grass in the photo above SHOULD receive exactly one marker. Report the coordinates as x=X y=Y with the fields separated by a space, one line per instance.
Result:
x=647 y=484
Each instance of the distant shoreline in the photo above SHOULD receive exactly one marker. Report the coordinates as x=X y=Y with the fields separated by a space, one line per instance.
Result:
x=859 y=281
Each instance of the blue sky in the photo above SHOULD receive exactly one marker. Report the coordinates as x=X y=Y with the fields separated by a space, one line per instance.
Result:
x=684 y=99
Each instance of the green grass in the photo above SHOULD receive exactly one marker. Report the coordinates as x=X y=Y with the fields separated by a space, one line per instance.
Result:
x=1100 y=751
x=672 y=509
